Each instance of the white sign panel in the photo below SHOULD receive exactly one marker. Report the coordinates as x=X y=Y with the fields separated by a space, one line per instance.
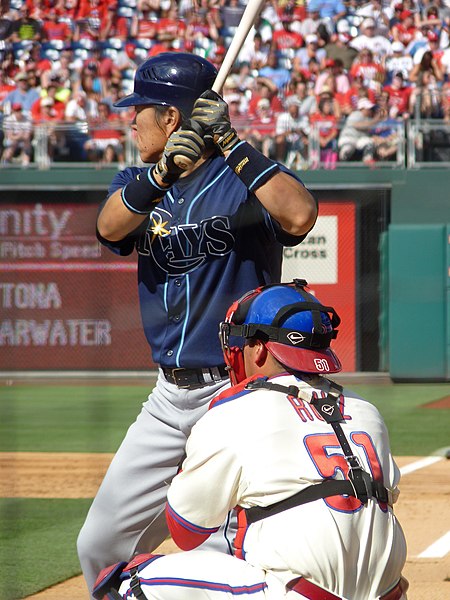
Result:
x=315 y=259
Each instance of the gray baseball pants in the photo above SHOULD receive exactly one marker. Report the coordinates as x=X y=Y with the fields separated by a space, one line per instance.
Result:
x=127 y=514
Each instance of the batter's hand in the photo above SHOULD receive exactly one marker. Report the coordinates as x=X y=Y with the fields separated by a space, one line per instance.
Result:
x=182 y=143
x=211 y=113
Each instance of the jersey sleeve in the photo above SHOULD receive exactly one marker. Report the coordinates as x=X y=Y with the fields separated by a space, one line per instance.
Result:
x=126 y=246
x=202 y=494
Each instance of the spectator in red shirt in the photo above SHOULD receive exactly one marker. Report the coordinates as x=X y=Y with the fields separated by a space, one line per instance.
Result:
x=58 y=107
x=171 y=23
x=325 y=121
x=399 y=96
x=54 y=29
x=261 y=131
x=6 y=85
x=405 y=30
x=365 y=65
x=107 y=137
x=285 y=38
x=265 y=88
x=144 y=26
x=35 y=62
x=46 y=111
x=164 y=43
x=116 y=26
x=91 y=20
x=349 y=101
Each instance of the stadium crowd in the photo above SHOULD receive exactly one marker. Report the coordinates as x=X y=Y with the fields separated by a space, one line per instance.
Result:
x=333 y=78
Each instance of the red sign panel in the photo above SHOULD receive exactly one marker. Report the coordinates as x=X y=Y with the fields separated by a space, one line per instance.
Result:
x=66 y=302
x=326 y=259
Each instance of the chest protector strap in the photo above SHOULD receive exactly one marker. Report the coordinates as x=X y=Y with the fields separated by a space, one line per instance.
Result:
x=359 y=483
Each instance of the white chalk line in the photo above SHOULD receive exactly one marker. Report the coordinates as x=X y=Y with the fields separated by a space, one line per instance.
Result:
x=420 y=464
x=441 y=546
x=438 y=549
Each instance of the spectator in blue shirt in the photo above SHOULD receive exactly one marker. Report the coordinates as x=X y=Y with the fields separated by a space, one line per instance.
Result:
x=272 y=70
x=328 y=9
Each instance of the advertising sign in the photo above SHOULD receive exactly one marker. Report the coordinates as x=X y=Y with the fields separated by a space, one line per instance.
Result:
x=66 y=302
x=326 y=259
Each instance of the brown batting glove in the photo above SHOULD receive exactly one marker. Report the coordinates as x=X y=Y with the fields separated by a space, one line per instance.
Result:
x=211 y=113
x=183 y=149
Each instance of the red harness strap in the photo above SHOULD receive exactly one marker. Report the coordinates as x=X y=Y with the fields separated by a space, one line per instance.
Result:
x=314 y=592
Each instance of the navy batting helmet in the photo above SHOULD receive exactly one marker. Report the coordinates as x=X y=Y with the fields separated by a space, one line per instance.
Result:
x=171 y=79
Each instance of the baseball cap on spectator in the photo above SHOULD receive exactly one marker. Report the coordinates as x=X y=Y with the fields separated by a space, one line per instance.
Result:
x=397 y=47
x=343 y=26
x=405 y=14
x=311 y=38
x=231 y=83
x=368 y=22
x=365 y=103
x=47 y=102
x=293 y=101
x=16 y=106
x=21 y=76
x=329 y=62
x=432 y=36
x=398 y=6
x=263 y=103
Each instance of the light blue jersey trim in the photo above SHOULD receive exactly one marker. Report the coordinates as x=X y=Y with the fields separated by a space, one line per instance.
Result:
x=131 y=208
x=166 y=285
x=275 y=166
x=186 y=319
x=194 y=200
x=237 y=146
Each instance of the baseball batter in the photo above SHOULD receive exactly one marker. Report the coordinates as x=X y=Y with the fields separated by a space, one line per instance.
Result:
x=202 y=236
x=306 y=462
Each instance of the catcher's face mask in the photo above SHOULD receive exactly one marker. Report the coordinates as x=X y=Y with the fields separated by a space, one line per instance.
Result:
x=293 y=325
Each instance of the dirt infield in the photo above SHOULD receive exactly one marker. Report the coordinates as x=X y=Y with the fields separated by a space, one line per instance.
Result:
x=423 y=510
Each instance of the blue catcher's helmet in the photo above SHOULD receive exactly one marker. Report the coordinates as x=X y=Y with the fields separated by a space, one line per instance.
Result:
x=171 y=79
x=293 y=325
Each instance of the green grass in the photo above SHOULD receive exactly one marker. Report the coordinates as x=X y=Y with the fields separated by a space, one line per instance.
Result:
x=79 y=418
x=37 y=537
x=414 y=430
x=37 y=544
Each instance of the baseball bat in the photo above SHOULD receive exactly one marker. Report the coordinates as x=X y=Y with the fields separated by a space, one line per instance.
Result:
x=248 y=18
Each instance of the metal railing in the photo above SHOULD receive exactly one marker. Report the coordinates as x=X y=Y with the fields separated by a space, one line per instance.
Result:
x=414 y=144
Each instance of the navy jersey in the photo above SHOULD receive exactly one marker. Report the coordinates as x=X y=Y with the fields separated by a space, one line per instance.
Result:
x=205 y=243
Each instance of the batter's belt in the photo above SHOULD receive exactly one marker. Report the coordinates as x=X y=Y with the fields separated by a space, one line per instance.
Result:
x=190 y=379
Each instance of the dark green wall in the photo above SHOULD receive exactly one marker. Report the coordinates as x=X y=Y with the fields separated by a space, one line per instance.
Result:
x=420 y=200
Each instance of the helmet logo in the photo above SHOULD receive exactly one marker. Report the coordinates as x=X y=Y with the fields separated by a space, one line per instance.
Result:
x=321 y=364
x=295 y=337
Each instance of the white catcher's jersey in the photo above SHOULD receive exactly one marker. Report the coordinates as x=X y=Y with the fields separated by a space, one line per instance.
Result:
x=256 y=447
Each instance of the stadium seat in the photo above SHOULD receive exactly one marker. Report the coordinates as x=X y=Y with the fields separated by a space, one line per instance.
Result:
x=115 y=43
x=53 y=45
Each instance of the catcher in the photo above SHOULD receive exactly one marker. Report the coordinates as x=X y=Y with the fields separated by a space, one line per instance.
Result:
x=306 y=462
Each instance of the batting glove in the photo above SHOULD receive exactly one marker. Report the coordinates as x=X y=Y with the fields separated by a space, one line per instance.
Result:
x=211 y=113
x=186 y=147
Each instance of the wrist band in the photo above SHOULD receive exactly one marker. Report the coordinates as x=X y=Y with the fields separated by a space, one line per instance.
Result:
x=141 y=193
x=253 y=168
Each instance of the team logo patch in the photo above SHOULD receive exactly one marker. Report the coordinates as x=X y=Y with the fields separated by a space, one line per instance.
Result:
x=295 y=337
x=182 y=248
x=321 y=364
x=327 y=409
